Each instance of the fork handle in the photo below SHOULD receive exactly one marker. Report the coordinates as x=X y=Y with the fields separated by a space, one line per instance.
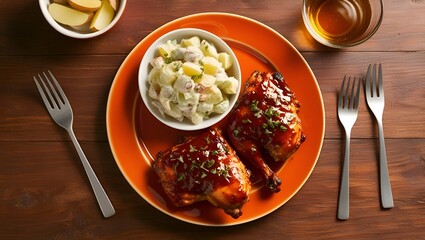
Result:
x=102 y=199
x=385 y=185
x=344 y=191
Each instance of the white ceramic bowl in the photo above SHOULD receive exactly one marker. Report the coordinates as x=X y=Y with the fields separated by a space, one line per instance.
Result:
x=145 y=68
x=82 y=34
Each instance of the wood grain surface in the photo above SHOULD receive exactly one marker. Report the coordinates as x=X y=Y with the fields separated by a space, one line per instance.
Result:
x=45 y=194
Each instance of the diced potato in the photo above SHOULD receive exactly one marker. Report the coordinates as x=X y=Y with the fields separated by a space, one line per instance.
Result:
x=153 y=92
x=165 y=102
x=214 y=95
x=205 y=108
x=157 y=62
x=193 y=41
x=184 y=84
x=222 y=106
x=154 y=88
x=196 y=118
x=171 y=67
x=186 y=109
x=230 y=86
x=158 y=105
x=178 y=54
x=153 y=75
x=166 y=76
x=166 y=48
x=225 y=59
x=208 y=49
x=206 y=80
x=191 y=69
x=193 y=54
x=175 y=112
x=211 y=65
x=167 y=92
x=220 y=78
x=103 y=17
x=68 y=16
x=86 y=5
x=185 y=99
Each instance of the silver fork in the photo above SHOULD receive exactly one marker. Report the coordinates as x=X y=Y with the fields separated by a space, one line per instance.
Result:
x=60 y=110
x=375 y=101
x=348 y=105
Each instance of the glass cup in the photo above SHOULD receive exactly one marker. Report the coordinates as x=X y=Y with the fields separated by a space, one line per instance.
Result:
x=342 y=23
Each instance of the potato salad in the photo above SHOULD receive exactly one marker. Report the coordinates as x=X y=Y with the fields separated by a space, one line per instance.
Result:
x=188 y=80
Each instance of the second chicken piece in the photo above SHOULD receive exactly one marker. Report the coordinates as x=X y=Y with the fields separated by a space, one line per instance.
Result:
x=265 y=124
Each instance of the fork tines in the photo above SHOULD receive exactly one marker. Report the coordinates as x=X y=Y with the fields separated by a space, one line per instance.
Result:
x=56 y=101
x=375 y=91
x=349 y=99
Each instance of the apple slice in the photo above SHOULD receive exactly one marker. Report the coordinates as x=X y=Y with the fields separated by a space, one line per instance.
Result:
x=114 y=4
x=68 y=16
x=85 y=5
x=63 y=2
x=103 y=17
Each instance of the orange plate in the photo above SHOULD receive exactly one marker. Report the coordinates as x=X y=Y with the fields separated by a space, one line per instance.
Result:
x=135 y=136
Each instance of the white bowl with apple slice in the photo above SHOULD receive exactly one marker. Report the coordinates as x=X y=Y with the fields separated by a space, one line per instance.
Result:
x=82 y=18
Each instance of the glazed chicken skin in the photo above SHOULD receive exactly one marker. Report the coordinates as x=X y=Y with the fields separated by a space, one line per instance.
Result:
x=204 y=167
x=264 y=124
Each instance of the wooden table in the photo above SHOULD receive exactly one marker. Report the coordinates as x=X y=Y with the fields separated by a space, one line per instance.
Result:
x=44 y=193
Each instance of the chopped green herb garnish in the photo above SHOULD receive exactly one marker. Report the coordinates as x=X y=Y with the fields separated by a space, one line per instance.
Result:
x=258 y=114
x=177 y=66
x=224 y=172
x=270 y=112
x=254 y=106
x=175 y=167
x=196 y=77
x=273 y=124
x=246 y=121
x=168 y=60
x=226 y=150
x=267 y=131
x=210 y=163
x=203 y=167
x=193 y=166
x=192 y=149
x=181 y=177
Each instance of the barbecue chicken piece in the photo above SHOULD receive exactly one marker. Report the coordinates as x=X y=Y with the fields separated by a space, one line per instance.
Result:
x=265 y=125
x=204 y=167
